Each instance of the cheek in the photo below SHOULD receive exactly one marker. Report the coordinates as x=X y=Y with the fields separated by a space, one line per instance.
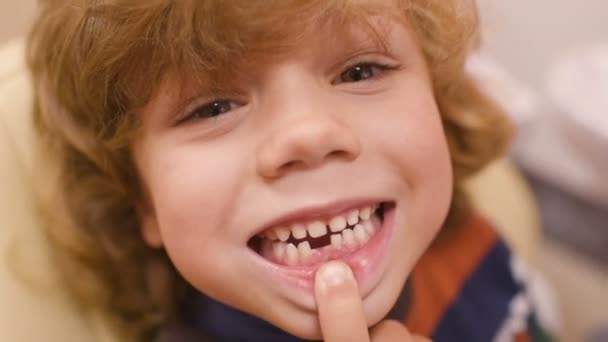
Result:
x=193 y=191
x=410 y=133
x=415 y=142
x=197 y=178
x=185 y=188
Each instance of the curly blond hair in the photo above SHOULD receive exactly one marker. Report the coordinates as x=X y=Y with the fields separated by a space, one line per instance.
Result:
x=94 y=63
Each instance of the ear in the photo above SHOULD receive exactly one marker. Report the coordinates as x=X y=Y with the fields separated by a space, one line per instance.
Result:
x=148 y=226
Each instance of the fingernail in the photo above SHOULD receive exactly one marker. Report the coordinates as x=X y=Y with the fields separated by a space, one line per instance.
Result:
x=334 y=273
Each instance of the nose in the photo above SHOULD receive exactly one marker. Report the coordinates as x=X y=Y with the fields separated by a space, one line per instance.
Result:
x=306 y=142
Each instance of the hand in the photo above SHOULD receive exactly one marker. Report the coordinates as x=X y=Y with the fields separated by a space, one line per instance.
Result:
x=341 y=310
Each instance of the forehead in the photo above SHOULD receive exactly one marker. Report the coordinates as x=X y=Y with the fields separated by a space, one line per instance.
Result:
x=202 y=40
x=178 y=90
x=345 y=31
x=255 y=30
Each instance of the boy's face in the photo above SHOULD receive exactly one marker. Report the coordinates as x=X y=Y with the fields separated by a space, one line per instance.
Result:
x=291 y=152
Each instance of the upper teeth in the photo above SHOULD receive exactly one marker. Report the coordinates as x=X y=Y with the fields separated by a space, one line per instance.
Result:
x=318 y=228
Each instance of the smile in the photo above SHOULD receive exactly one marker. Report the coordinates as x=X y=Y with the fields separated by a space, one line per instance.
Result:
x=305 y=244
x=288 y=251
x=308 y=243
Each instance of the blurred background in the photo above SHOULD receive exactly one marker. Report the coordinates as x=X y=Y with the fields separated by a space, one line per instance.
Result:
x=546 y=61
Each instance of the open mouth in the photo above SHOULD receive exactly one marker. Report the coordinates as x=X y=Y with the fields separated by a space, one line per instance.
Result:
x=310 y=243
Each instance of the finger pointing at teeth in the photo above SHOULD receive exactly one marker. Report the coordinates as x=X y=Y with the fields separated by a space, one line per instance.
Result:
x=341 y=312
x=339 y=303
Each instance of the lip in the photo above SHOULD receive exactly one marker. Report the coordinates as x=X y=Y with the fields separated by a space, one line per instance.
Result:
x=367 y=263
x=318 y=212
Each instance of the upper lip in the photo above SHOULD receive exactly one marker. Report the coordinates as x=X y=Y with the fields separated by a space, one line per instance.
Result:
x=321 y=212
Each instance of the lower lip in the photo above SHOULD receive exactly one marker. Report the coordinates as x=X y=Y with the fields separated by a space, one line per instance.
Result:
x=366 y=264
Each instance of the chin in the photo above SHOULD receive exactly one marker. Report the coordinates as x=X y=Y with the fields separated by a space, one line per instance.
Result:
x=306 y=328
x=376 y=306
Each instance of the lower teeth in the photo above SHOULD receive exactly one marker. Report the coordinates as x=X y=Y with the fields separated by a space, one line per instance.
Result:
x=301 y=252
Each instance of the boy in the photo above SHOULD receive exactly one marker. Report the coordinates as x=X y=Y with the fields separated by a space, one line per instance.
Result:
x=211 y=156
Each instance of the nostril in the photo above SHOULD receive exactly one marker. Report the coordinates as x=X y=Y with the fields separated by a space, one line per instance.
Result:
x=290 y=165
x=314 y=162
x=338 y=154
x=301 y=151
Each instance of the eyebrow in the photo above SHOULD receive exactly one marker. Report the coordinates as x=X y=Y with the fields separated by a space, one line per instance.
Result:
x=350 y=41
x=183 y=91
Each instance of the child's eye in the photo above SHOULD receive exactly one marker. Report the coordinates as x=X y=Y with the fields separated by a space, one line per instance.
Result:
x=363 y=71
x=211 y=110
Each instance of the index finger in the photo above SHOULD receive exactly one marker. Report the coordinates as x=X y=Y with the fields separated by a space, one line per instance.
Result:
x=339 y=303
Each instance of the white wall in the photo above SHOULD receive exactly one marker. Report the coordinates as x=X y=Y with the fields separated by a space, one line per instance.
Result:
x=526 y=35
x=15 y=18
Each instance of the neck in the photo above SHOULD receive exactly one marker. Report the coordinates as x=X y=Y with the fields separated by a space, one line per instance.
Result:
x=225 y=323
